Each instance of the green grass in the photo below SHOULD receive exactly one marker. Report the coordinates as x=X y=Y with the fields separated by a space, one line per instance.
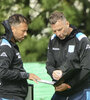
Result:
x=41 y=91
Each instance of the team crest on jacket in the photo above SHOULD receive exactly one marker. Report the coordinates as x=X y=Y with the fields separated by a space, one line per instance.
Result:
x=71 y=48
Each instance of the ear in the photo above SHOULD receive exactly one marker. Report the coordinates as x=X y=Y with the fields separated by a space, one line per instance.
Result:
x=13 y=29
x=67 y=22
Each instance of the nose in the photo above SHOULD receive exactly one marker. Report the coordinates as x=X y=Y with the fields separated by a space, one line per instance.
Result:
x=58 y=33
x=25 y=34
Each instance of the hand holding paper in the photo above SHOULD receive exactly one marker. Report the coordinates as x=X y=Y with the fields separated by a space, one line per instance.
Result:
x=34 y=77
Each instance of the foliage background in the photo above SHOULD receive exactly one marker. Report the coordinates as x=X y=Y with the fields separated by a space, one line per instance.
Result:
x=34 y=47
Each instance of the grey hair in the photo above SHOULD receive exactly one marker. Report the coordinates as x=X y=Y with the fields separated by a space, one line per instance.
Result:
x=56 y=16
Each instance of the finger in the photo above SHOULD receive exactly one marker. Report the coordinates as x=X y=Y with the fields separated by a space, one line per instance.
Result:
x=56 y=77
x=37 y=78
x=68 y=86
x=56 y=74
x=60 y=89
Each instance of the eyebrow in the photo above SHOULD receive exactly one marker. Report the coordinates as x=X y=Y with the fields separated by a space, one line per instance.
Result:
x=58 y=29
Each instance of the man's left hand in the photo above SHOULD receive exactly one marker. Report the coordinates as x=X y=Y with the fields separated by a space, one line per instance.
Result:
x=62 y=87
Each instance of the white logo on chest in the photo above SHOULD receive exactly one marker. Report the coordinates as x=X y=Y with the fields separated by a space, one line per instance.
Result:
x=71 y=48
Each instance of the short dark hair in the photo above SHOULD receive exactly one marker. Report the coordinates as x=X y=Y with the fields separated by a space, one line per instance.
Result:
x=17 y=19
x=56 y=15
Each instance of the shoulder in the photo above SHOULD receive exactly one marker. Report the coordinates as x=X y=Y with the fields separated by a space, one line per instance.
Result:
x=81 y=36
x=5 y=46
x=6 y=49
x=53 y=36
x=5 y=42
x=83 y=40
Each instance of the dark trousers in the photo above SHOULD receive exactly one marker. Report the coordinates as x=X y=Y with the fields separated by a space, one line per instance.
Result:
x=83 y=95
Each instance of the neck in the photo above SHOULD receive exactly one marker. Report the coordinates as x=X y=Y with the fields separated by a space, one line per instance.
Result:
x=70 y=30
x=13 y=40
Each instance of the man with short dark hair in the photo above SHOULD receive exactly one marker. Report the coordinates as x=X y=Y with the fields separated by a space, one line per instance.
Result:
x=68 y=52
x=13 y=77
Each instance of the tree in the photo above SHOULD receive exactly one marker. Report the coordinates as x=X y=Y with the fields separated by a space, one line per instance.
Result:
x=76 y=11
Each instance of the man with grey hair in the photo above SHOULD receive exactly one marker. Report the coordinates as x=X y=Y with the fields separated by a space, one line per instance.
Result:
x=68 y=54
x=13 y=77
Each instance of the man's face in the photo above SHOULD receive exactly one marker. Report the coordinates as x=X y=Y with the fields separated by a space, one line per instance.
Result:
x=20 y=31
x=61 y=29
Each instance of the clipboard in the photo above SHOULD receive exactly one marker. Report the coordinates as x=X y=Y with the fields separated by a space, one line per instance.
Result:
x=67 y=77
x=64 y=79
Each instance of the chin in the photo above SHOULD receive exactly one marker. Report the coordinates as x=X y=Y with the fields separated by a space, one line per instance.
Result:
x=61 y=38
x=19 y=40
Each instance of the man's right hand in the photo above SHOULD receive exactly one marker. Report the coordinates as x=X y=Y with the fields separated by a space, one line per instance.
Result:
x=33 y=77
x=57 y=74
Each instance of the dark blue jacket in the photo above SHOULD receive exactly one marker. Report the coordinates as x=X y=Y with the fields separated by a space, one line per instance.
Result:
x=12 y=74
x=70 y=54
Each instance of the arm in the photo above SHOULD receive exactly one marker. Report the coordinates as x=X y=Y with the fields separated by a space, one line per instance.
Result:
x=84 y=54
x=50 y=60
x=6 y=70
x=50 y=64
x=82 y=67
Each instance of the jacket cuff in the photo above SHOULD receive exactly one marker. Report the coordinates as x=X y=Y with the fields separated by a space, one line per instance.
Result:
x=63 y=68
x=24 y=75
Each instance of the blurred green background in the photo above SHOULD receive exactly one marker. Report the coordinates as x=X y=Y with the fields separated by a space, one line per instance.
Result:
x=41 y=91
x=34 y=47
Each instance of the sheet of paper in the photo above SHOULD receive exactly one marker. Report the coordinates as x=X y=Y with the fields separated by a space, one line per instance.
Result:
x=47 y=82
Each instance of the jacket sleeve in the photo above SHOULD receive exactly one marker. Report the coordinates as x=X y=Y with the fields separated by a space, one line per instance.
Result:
x=83 y=65
x=6 y=71
x=84 y=54
x=50 y=60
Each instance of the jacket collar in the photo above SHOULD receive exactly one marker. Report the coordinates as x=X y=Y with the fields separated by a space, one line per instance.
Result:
x=8 y=30
x=72 y=34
